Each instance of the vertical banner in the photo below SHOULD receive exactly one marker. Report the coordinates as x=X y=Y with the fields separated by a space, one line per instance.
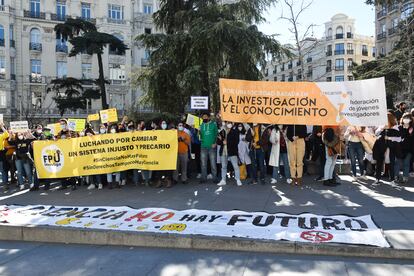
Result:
x=107 y=153
x=109 y=116
x=359 y=103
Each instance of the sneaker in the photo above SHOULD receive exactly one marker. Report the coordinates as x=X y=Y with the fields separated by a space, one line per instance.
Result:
x=289 y=181
x=222 y=183
x=354 y=179
x=319 y=178
x=100 y=187
x=239 y=183
x=210 y=176
x=364 y=177
x=31 y=186
x=377 y=181
x=273 y=181
x=123 y=182
x=198 y=176
x=21 y=187
x=91 y=187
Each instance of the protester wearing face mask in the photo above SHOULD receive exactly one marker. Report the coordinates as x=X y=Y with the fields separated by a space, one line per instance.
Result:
x=4 y=135
x=163 y=177
x=102 y=129
x=228 y=139
x=41 y=133
x=208 y=135
x=406 y=148
x=65 y=132
x=243 y=148
x=184 y=141
x=274 y=153
x=22 y=141
x=258 y=136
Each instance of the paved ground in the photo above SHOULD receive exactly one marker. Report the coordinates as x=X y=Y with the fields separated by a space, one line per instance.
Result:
x=392 y=206
x=56 y=259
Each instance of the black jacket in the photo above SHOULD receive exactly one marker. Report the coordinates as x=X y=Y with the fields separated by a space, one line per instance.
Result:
x=232 y=138
x=296 y=130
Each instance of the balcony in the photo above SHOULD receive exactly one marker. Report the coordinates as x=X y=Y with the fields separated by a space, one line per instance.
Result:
x=349 y=35
x=282 y=68
x=36 y=78
x=116 y=21
x=329 y=53
x=381 y=13
x=12 y=43
x=339 y=68
x=34 y=46
x=381 y=35
x=350 y=52
x=58 y=17
x=87 y=81
x=309 y=59
x=33 y=14
x=13 y=76
x=1 y=42
x=290 y=79
x=290 y=66
x=339 y=52
x=61 y=48
x=392 y=30
x=328 y=69
x=144 y=62
x=299 y=77
x=118 y=82
x=339 y=36
x=365 y=53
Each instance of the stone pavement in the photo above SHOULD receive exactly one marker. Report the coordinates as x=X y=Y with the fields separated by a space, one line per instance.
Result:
x=392 y=206
x=17 y=258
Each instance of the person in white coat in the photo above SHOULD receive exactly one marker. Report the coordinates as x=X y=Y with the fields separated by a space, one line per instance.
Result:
x=274 y=153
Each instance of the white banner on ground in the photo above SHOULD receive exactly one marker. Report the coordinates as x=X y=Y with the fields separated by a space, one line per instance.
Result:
x=254 y=225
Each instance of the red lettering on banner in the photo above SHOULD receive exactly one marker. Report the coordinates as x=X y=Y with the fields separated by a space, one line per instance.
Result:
x=163 y=217
x=141 y=216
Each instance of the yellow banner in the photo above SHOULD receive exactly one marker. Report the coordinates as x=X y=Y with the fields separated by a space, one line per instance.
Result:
x=107 y=153
x=109 y=115
x=361 y=103
x=76 y=124
x=93 y=117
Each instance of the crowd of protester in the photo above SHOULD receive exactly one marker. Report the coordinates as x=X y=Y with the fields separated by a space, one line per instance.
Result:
x=248 y=153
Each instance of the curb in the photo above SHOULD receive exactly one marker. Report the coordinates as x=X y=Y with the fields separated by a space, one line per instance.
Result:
x=71 y=235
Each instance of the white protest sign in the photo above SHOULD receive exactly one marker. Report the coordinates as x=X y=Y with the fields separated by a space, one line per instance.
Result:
x=19 y=126
x=199 y=102
x=1 y=118
x=252 y=225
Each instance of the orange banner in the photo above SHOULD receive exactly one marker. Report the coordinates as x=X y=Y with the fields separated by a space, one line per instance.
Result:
x=304 y=103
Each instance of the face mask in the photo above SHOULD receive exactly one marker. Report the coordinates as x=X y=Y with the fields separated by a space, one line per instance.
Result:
x=240 y=128
x=180 y=128
x=63 y=137
x=406 y=121
x=81 y=134
x=102 y=131
x=39 y=131
x=20 y=137
x=164 y=126
x=205 y=121
x=47 y=133
x=280 y=126
x=113 y=131
x=63 y=126
x=229 y=125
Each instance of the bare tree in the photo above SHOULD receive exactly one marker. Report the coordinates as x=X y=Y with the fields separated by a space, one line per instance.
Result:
x=302 y=46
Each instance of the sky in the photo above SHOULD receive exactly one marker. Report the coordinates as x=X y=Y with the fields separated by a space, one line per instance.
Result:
x=318 y=13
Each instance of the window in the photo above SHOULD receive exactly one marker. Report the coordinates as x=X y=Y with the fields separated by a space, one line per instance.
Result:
x=339 y=30
x=3 y=99
x=349 y=46
x=339 y=78
x=35 y=8
x=274 y=78
x=112 y=50
x=383 y=28
x=147 y=30
x=350 y=78
x=2 y=67
x=61 y=10
x=339 y=49
x=394 y=22
x=148 y=8
x=364 y=50
x=36 y=66
x=115 y=12
x=382 y=51
x=406 y=10
x=86 y=71
x=61 y=69
x=13 y=68
x=329 y=79
x=11 y=32
x=117 y=72
x=330 y=33
x=147 y=54
x=86 y=10
x=374 y=51
x=1 y=35
x=339 y=64
x=350 y=63
x=35 y=36
x=283 y=77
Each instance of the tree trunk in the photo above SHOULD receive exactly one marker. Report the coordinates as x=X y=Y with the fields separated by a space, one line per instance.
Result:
x=101 y=82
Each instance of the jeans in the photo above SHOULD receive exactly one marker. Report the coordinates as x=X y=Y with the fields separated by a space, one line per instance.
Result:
x=356 y=151
x=4 y=173
x=146 y=175
x=234 y=161
x=182 y=162
x=329 y=166
x=109 y=177
x=24 y=167
x=257 y=156
x=275 y=172
x=211 y=154
x=284 y=158
x=403 y=163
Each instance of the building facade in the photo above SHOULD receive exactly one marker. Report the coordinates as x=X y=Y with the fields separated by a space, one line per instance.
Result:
x=31 y=55
x=330 y=58
x=387 y=20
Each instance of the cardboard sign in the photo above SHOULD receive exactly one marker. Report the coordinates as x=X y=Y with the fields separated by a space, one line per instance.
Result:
x=194 y=121
x=93 y=117
x=200 y=103
x=19 y=126
x=54 y=128
x=76 y=124
x=109 y=115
